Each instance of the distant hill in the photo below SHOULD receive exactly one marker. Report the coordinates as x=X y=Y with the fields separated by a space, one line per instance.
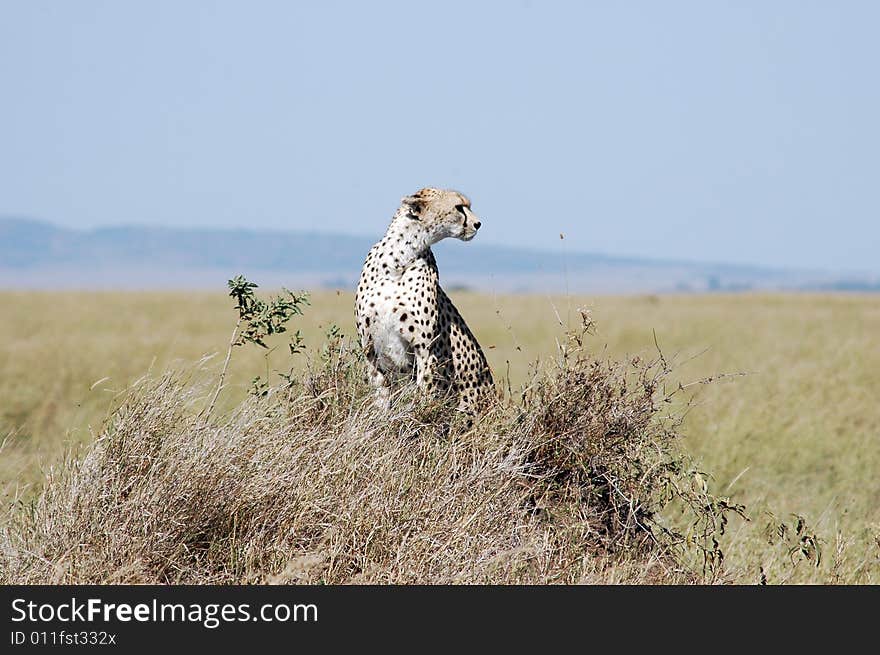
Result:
x=36 y=254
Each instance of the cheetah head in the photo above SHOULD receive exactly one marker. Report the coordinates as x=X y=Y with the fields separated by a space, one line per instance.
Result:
x=441 y=213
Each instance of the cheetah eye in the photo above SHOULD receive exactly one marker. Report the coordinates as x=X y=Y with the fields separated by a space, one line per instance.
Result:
x=460 y=209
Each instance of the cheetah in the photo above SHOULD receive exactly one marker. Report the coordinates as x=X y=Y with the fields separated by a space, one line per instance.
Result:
x=406 y=322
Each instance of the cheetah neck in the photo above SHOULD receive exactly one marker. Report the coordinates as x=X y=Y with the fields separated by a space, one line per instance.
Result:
x=403 y=246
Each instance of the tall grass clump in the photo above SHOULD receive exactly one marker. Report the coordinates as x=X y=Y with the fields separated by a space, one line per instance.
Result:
x=577 y=477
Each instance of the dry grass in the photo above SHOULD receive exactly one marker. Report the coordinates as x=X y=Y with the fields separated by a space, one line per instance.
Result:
x=312 y=483
x=795 y=436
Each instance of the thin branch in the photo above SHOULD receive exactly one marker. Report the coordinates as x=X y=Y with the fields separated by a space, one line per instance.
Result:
x=210 y=407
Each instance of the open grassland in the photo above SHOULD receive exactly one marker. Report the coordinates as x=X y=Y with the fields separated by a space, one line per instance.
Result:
x=798 y=433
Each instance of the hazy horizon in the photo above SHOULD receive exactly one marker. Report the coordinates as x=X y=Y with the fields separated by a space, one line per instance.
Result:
x=706 y=132
x=43 y=256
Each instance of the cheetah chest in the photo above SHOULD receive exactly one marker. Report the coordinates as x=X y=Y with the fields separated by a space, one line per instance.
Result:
x=392 y=347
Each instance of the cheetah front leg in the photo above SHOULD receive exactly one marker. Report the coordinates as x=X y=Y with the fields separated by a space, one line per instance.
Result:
x=426 y=369
x=382 y=398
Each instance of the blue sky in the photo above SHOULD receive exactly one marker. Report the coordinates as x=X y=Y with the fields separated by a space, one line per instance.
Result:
x=734 y=131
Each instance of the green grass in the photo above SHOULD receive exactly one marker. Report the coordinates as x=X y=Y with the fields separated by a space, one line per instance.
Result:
x=797 y=434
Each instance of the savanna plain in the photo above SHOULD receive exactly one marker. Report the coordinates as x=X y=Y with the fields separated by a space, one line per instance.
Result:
x=777 y=411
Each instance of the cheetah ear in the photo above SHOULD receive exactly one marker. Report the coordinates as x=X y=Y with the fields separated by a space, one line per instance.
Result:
x=415 y=204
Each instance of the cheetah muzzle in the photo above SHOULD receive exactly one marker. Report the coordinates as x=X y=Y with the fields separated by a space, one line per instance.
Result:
x=406 y=322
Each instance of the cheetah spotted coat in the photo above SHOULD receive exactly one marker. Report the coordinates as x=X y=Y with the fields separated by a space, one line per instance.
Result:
x=406 y=322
